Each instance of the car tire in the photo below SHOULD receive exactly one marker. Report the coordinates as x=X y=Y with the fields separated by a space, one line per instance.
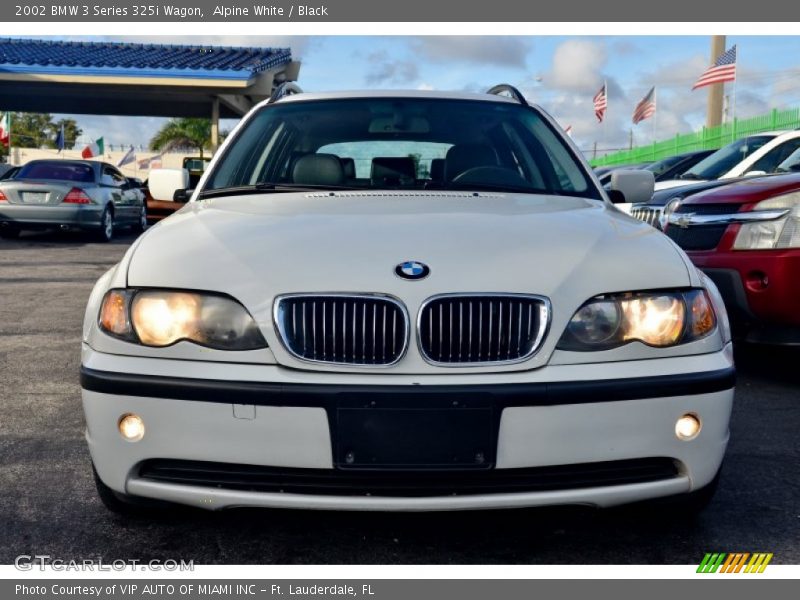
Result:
x=141 y=223
x=124 y=504
x=106 y=232
x=9 y=233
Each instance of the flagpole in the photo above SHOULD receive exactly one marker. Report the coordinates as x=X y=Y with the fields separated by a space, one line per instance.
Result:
x=605 y=116
x=655 y=118
x=735 y=77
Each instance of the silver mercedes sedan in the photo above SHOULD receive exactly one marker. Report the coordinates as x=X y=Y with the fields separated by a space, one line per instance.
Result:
x=70 y=194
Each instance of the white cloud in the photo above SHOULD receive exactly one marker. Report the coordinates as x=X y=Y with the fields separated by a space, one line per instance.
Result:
x=383 y=69
x=506 y=51
x=577 y=65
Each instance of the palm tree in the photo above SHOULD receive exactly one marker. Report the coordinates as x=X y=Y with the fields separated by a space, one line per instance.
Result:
x=183 y=133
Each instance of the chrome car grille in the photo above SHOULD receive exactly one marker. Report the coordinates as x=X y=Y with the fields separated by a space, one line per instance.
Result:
x=479 y=328
x=648 y=214
x=701 y=237
x=367 y=330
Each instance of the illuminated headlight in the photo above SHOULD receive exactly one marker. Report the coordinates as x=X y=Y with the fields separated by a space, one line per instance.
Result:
x=778 y=233
x=658 y=319
x=162 y=318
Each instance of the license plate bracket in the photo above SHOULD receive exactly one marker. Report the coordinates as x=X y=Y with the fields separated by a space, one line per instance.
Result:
x=396 y=435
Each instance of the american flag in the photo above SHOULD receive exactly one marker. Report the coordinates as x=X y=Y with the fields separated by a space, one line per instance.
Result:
x=646 y=108
x=600 y=103
x=724 y=69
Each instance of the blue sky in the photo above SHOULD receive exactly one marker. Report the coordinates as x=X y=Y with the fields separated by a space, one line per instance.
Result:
x=560 y=72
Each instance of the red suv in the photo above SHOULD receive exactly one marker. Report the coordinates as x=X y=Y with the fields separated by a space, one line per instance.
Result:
x=746 y=237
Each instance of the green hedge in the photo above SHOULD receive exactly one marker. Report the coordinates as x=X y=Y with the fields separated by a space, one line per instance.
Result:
x=709 y=138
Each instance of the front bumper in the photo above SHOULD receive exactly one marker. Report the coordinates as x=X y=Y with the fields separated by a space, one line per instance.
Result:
x=81 y=216
x=761 y=289
x=556 y=423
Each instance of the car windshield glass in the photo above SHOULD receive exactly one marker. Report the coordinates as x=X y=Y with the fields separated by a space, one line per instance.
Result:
x=723 y=160
x=401 y=143
x=663 y=165
x=57 y=170
x=791 y=163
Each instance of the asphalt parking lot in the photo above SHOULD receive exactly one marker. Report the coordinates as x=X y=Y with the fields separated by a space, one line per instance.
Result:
x=48 y=503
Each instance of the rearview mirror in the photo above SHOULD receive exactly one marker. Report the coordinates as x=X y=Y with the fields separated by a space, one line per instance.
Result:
x=631 y=187
x=164 y=183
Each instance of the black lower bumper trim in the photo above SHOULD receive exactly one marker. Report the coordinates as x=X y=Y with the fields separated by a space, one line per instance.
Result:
x=330 y=395
x=335 y=482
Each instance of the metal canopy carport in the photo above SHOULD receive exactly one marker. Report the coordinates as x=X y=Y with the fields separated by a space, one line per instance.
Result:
x=112 y=78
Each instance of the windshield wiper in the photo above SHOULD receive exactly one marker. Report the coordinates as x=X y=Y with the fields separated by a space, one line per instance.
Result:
x=268 y=186
x=689 y=176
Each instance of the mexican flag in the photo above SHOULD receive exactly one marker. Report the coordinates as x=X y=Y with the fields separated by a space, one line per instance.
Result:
x=96 y=148
x=5 y=130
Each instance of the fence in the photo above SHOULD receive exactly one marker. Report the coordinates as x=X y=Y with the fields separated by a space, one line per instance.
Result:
x=709 y=138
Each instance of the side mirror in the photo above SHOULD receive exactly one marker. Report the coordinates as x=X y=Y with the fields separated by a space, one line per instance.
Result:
x=632 y=187
x=164 y=183
x=182 y=195
x=755 y=173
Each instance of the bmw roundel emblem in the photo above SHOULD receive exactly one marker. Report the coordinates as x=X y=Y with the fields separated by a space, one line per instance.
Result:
x=412 y=269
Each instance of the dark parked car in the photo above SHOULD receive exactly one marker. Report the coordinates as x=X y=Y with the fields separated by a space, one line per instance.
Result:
x=67 y=194
x=675 y=166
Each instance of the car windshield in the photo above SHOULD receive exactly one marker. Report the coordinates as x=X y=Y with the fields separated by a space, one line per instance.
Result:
x=723 y=160
x=663 y=165
x=400 y=143
x=791 y=163
x=57 y=170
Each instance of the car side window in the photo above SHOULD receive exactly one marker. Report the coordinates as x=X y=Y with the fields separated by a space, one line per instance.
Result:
x=770 y=161
x=114 y=177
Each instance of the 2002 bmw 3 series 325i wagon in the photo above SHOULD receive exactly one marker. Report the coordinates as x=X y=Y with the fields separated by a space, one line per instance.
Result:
x=404 y=301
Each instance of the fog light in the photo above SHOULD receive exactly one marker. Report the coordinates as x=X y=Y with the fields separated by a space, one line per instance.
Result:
x=131 y=427
x=687 y=427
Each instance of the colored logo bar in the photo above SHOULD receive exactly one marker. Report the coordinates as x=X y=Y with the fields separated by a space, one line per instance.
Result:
x=735 y=562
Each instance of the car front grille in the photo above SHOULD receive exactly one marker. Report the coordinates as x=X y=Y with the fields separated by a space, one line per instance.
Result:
x=480 y=329
x=395 y=483
x=700 y=237
x=648 y=214
x=367 y=330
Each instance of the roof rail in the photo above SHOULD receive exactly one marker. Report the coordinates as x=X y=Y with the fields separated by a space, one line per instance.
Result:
x=287 y=88
x=512 y=91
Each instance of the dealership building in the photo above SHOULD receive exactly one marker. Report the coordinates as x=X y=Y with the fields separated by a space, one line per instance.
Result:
x=146 y=80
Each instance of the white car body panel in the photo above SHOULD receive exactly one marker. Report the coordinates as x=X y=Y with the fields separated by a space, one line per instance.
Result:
x=560 y=244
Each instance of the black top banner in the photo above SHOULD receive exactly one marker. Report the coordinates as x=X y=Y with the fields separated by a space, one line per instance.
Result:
x=337 y=11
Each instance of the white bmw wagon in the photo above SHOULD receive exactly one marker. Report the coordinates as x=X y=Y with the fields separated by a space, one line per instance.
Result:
x=404 y=301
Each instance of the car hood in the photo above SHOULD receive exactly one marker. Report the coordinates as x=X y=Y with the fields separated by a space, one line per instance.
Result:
x=259 y=246
x=753 y=189
x=673 y=183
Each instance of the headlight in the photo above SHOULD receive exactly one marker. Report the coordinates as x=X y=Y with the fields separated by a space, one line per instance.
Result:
x=161 y=318
x=779 y=233
x=670 y=207
x=658 y=319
